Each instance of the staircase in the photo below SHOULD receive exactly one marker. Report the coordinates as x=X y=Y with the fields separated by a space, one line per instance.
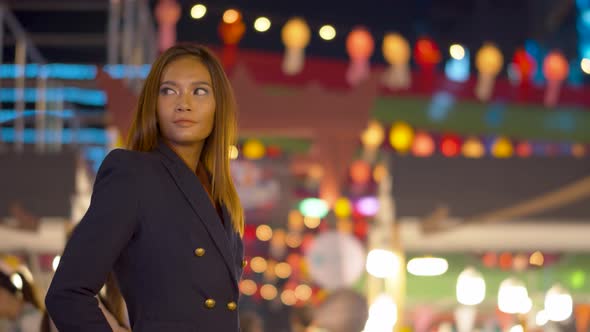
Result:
x=56 y=101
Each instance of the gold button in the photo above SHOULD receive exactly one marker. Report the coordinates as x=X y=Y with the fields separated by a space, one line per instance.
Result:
x=244 y=263
x=210 y=303
x=199 y=252
x=232 y=306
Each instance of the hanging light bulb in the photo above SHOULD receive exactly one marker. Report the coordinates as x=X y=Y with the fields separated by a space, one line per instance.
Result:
x=558 y=304
x=513 y=297
x=471 y=287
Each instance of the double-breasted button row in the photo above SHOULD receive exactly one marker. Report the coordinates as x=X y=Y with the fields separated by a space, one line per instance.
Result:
x=210 y=304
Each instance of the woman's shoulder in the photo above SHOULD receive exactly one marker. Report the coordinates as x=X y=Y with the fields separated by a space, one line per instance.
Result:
x=120 y=155
x=127 y=160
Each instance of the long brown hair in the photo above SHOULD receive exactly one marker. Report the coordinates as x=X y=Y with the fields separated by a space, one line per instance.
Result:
x=144 y=131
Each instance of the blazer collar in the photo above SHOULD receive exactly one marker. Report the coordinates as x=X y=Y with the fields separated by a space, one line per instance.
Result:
x=197 y=197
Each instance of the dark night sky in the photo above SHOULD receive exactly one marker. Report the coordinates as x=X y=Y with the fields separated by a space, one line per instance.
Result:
x=508 y=23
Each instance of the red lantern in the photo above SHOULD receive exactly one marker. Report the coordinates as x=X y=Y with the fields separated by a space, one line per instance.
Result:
x=231 y=34
x=525 y=64
x=360 y=228
x=524 y=149
x=167 y=14
x=426 y=53
x=273 y=151
x=450 y=145
x=505 y=261
x=249 y=232
x=360 y=44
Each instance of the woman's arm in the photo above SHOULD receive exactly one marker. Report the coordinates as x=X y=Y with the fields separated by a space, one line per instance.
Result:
x=95 y=245
x=113 y=323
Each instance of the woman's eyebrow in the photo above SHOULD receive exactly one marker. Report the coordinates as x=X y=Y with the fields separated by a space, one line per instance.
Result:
x=192 y=83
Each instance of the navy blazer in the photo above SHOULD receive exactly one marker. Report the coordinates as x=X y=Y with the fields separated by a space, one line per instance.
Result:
x=150 y=221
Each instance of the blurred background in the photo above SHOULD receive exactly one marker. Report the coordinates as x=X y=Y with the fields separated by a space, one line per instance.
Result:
x=431 y=156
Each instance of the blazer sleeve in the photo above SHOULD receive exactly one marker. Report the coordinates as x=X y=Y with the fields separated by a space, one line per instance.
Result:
x=94 y=247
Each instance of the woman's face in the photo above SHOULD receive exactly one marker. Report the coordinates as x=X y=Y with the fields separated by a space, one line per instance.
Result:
x=186 y=102
x=10 y=305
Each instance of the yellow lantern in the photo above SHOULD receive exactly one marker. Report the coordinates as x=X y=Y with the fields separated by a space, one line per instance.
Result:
x=342 y=207
x=502 y=148
x=401 y=136
x=254 y=149
x=295 y=35
x=373 y=136
x=473 y=148
x=488 y=61
x=396 y=50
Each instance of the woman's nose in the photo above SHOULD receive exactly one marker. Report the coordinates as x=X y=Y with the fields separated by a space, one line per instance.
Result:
x=184 y=103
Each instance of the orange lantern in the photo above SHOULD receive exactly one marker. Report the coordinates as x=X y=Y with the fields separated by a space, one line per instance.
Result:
x=489 y=61
x=473 y=148
x=423 y=145
x=295 y=35
x=359 y=46
x=555 y=69
x=582 y=314
x=396 y=50
x=578 y=150
x=360 y=172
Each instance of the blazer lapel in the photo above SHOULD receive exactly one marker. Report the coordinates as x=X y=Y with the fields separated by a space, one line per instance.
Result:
x=193 y=190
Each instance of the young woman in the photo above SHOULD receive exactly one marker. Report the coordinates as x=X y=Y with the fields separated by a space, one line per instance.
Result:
x=165 y=215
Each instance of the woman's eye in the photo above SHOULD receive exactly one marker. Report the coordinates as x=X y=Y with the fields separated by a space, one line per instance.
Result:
x=166 y=91
x=201 y=91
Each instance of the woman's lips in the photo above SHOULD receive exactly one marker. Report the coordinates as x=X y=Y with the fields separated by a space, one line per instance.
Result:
x=184 y=123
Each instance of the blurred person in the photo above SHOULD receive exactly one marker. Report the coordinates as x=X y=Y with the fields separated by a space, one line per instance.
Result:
x=164 y=215
x=21 y=309
x=343 y=310
x=250 y=321
x=301 y=318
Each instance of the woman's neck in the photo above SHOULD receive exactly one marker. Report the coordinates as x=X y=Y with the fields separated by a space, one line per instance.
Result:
x=190 y=154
